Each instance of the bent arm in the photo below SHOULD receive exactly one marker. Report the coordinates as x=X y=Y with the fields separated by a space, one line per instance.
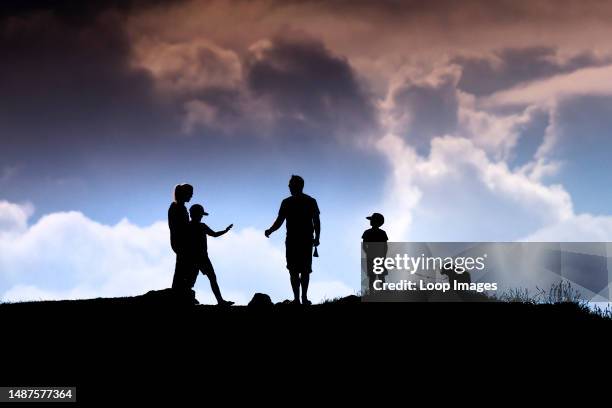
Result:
x=277 y=223
x=219 y=233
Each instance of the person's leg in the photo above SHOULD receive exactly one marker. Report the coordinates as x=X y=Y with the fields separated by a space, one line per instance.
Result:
x=305 y=280
x=183 y=279
x=177 y=278
x=215 y=287
x=191 y=266
x=371 y=275
x=208 y=270
x=295 y=285
x=306 y=268
x=183 y=272
x=294 y=275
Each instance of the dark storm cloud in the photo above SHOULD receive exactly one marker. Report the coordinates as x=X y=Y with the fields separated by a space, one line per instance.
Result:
x=426 y=111
x=76 y=11
x=315 y=92
x=482 y=76
x=449 y=10
x=461 y=12
x=66 y=85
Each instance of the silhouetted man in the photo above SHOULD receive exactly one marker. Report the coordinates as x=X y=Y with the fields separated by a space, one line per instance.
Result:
x=302 y=214
x=178 y=221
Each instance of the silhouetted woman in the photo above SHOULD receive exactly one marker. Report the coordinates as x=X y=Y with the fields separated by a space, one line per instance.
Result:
x=178 y=221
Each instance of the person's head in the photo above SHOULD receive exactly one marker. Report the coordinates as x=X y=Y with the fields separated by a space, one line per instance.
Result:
x=296 y=185
x=183 y=193
x=196 y=212
x=376 y=220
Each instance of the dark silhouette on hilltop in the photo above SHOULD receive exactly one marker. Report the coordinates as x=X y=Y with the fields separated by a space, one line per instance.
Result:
x=198 y=248
x=178 y=222
x=302 y=215
x=146 y=338
x=375 y=246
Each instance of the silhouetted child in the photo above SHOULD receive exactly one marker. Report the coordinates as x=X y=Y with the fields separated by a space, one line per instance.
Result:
x=199 y=248
x=375 y=246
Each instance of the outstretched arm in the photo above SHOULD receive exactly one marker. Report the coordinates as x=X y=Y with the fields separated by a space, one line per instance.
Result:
x=219 y=233
x=316 y=221
x=277 y=224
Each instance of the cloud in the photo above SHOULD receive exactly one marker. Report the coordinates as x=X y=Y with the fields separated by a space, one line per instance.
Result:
x=308 y=87
x=70 y=86
x=464 y=183
x=456 y=158
x=458 y=193
x=389 y=28
x=424 y=107
x=287 y=84
x=508 y=67
x=484 y=172
x=199 y=113
x=67 y=255
x=409 y=81
x=578 y=228
x=188 y=67
x=14 y=218
x=586 y=81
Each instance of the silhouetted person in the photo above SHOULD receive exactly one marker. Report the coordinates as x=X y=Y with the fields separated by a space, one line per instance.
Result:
x=302 y=214
x=198 y=231
x=178 y=221
x=375 y=246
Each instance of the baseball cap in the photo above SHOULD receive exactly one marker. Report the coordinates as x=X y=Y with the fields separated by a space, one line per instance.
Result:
x=377 y=217
x=197 y=208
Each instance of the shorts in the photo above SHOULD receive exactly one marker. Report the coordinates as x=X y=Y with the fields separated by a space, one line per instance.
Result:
x=201 y=264
x=299 y=256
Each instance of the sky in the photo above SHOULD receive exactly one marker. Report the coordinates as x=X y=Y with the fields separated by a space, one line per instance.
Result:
x=459 y=121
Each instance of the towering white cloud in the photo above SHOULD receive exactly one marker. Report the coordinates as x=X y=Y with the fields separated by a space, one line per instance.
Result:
x=14 y=218
x=466 y=187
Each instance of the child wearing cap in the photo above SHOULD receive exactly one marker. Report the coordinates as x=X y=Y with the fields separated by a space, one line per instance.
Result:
x=199 y=250
x=375 y=246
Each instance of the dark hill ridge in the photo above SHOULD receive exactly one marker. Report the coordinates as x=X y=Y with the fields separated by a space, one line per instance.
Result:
x=348 y=313
x=163 y=302
x=148 y=339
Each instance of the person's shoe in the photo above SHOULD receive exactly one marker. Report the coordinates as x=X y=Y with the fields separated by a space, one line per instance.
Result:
x=295 y=302
x=306 y=302
x=225 y=303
